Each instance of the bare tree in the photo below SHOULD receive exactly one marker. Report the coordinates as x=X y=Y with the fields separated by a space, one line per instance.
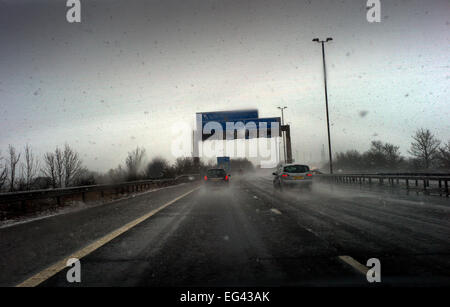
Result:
x=157 y=168
x=374 y=158
x=72 y=165
x=62 y=166
x=49 y=169
x=184 y=165
x=84 y=177
x=59 y=164
x=3 y=172
x=116 y=175
x=13 y=160
x=392 y=155
x=134 y=162
x=425 y=147
x=444 y=156
x=29 y=168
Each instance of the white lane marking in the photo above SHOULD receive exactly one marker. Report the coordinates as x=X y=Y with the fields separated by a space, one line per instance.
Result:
x=355 y=264
x=276 y=211
x=45 y=274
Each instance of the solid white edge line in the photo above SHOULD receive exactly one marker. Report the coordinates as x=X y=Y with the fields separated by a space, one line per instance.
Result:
x=354 y=264
x=45 y=274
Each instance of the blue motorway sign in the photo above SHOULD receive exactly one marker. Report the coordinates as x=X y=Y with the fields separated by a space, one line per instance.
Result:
x=227 y=116
x=224 y=162
x=244 y=128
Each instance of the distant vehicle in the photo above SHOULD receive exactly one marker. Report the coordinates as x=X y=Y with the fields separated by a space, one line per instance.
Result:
x=224 y=162
x=316 y=172
x=292 y=175
x=216 y=177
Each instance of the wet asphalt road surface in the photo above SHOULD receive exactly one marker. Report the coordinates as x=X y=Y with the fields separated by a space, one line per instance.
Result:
x=246 y=234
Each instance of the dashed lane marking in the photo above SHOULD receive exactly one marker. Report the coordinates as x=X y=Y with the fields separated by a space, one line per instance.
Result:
x=276 y=211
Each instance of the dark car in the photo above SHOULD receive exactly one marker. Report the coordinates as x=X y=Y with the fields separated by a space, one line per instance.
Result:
x=216 y=177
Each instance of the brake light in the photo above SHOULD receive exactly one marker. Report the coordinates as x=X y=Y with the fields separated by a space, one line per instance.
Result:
x=206 y=177
x=284 y=175
x=309 y=175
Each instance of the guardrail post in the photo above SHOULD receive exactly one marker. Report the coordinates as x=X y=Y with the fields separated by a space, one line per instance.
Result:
x=446 y=188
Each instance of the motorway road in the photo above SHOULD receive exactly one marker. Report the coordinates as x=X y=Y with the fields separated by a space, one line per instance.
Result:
x=244 y=235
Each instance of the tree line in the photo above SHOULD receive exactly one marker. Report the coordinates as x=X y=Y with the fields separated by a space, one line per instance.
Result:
x=427 y=154
x=23 y=170
x=63 y=167
x=136 y=167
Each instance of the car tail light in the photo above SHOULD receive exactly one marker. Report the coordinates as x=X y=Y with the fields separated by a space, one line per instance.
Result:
x=309 y=175
x=284 y=175
x=206 y=177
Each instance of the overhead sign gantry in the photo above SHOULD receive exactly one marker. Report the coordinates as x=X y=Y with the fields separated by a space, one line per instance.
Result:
x=237 y=124
x=231 y=125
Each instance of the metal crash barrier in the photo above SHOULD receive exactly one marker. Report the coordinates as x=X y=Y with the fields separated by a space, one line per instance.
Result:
x=428 y=184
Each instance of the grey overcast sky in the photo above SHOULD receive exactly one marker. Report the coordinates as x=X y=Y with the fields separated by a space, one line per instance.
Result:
x=131 y=69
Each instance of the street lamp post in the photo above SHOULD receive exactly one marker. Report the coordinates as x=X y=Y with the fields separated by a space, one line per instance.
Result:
x=282 y=124
x=326 y=96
